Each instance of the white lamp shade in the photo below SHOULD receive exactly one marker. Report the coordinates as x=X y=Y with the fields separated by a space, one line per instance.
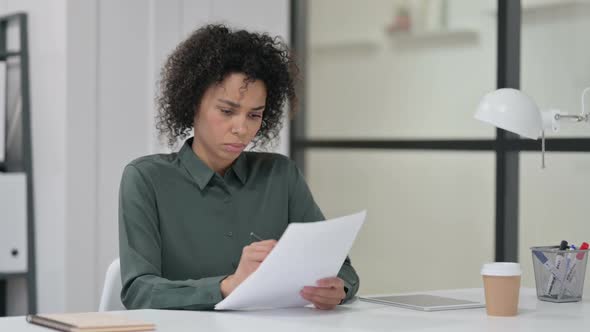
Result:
x=511 y=110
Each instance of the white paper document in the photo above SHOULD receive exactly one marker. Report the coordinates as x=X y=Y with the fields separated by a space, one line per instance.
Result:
x=305 y=253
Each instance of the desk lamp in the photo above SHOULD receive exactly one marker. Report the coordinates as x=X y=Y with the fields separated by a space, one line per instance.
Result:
x=514 y=111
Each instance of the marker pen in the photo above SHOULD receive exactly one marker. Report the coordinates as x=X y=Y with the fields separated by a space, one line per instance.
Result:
x=552 y=288
x=554 y=272
x=569 y=278
x=543 y=259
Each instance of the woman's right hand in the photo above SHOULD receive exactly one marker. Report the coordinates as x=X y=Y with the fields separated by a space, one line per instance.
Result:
x=252 y=256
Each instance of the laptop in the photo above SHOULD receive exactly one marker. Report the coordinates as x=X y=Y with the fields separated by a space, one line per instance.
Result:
x=423 y=302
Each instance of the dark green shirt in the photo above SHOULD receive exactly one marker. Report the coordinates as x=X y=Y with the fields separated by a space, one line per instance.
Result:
x=182 y=226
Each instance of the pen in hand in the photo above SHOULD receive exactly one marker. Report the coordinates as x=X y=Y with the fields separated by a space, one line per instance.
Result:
x=258 y=238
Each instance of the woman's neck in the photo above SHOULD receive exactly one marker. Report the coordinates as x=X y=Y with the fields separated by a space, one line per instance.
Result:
x=217 y=167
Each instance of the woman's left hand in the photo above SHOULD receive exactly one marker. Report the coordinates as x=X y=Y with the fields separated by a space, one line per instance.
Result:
x=326 y=295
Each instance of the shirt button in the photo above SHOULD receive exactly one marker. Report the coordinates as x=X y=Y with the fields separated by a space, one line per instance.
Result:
x=230 y=234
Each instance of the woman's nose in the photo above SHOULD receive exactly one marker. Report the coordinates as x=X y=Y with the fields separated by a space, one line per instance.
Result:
x=239 y=126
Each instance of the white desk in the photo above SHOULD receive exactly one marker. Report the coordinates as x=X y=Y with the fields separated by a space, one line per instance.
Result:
x=533 y=315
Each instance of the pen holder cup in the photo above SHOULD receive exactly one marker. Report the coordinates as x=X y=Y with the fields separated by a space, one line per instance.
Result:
x=559 y=274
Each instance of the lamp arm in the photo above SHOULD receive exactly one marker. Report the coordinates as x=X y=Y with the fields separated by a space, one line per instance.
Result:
x=583 y=117
x=578 y=118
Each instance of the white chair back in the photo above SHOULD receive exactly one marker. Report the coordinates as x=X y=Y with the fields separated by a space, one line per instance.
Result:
x=111 y=292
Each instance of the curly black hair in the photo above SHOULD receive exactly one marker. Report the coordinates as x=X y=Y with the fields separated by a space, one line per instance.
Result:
x=206 y=57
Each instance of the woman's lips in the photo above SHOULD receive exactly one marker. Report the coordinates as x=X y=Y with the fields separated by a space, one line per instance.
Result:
x=234 y=147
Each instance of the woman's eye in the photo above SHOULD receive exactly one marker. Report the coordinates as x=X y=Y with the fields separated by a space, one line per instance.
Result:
x=256 y=116
x=226 y=112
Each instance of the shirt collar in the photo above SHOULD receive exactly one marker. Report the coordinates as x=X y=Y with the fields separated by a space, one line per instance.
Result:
x=240 y=167
x=201 y=173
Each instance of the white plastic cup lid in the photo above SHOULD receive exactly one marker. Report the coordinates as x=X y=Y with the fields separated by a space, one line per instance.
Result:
x=501 y=269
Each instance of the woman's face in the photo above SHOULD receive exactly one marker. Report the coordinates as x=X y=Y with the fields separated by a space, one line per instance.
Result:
x=228 y=119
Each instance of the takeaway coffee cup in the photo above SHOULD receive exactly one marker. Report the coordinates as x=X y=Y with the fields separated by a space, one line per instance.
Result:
x=501 y=282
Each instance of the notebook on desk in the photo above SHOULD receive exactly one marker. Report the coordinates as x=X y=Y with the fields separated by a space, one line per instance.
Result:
x=423 y=302
x=90 y=322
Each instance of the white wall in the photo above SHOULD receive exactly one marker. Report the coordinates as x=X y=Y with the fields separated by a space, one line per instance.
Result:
x=124 y=111
x=378 y=86
x=47 y=45
x=425 y=228
x=94 y=66
x=81 y=146
x=553 y=205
